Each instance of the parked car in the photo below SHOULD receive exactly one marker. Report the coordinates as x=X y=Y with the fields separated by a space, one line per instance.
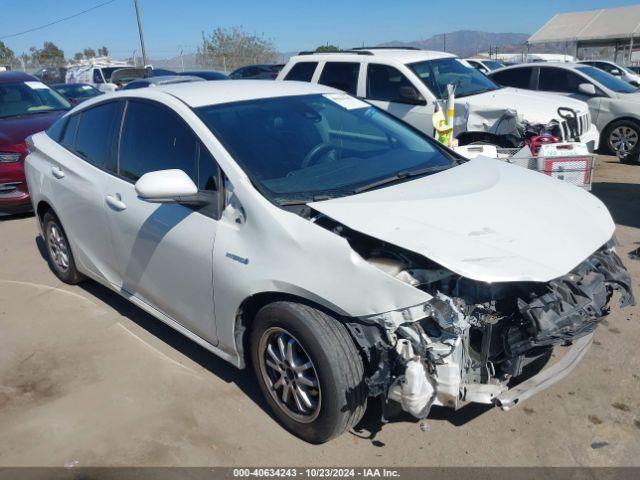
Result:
x=27 y=106
x=616 y=70
x=162 y=80
x=51 y=75
x=76 y=92
x=614 y=104
x=432 y=289
x=160 y=72
x=409 y=83
x=256 y=72
x=205 y=74
x=484 y=65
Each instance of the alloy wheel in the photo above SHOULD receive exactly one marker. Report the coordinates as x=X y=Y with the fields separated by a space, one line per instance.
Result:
x=58 y=249
x=290 y=375
x=623 y=139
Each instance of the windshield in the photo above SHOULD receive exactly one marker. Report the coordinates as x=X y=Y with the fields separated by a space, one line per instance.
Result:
x=608 y=80
x=493 y=64
x=28 y=98
x=301 y=148
x=437 y=74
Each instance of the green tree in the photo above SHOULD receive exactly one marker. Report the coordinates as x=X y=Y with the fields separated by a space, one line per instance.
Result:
x=89 y=52
x=78 y=56
x=103 y=51
x=49 y=55
x=7 y=57
x=327 y=48
x=231 y=48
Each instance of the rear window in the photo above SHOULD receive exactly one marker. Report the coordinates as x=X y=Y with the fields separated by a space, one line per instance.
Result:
x=96 y=132
x=302 y=71
x=341 y=75
x=70 y=132
x=56 y=130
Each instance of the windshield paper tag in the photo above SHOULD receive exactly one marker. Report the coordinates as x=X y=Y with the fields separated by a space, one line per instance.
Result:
x=36 y=85
x=346 y=101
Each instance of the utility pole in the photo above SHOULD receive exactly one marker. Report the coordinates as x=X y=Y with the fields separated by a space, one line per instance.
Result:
x=144 y=52
x=444 y=42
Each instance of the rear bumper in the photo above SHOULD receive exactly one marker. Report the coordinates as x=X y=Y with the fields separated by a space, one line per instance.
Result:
x=14 y=193
x=547 y=377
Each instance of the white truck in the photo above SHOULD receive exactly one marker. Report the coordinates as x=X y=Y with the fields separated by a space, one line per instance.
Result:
x=409 y=83
x=97 y=72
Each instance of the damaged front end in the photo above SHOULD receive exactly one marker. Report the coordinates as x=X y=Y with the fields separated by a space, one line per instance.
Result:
x=473 y=341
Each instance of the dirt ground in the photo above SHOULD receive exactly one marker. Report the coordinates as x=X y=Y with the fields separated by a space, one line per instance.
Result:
x=87 y=379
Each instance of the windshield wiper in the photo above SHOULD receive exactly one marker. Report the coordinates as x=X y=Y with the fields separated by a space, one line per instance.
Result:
x=398 y=176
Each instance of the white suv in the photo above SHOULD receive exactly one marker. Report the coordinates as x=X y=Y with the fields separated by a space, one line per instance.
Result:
x=408 y=82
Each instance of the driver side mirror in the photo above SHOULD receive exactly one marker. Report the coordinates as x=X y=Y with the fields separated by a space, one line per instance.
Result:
x=587 y=89
x=166 y=186
x=616 y=72
x=409 y=94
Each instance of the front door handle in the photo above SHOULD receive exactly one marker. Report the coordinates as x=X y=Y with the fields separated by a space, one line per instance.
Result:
x=57 y=172
x=115 y=202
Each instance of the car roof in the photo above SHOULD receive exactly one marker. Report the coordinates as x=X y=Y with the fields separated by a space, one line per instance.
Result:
x=567 y=65
x=198 y=94
x=13 y=76
x=400 y=55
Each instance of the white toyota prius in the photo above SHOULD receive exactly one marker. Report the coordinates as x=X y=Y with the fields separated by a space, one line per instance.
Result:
x=342 y=253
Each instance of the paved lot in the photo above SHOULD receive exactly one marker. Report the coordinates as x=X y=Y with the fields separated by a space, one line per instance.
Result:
x=88 y=379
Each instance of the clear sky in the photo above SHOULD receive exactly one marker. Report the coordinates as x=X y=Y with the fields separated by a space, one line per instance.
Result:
x=172 y=25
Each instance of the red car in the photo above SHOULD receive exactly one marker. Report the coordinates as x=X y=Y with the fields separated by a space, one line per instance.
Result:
x=27 y=106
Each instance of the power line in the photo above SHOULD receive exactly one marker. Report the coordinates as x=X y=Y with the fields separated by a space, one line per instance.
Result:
x=58 y=21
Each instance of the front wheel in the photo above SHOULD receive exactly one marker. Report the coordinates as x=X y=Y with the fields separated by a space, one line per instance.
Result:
x=623 y=139
x=309 y=370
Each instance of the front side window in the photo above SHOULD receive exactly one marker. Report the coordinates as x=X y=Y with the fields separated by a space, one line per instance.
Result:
x=302 y=71
x=341 y=75
x=97 y=129
x=29 y=98
x=559 y=80
x=437 y=74
x=515 y=77
x=301 y=147
x=384 y=83
x=153 y=138
x=608 y=80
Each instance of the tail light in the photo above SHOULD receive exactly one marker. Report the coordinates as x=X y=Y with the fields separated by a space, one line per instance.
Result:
x=12 y=153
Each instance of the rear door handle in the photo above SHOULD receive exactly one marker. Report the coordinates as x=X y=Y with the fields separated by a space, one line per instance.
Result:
x=57 y=172
x=115 y=202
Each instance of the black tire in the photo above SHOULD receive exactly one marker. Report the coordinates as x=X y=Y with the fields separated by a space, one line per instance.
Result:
x=337 y=365
x=632 y=156
x=55 y=239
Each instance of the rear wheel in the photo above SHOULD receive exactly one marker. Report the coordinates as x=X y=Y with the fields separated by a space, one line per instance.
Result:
x=60 y=258
x=623 y=139
x=309 y=370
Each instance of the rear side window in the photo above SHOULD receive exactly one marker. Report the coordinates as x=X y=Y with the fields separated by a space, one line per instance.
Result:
x=96 y=132
x=384 y=83
x=70 y=132
x=302 y=71
x=56 y=130
x=517 y=78
x=154 y=138
x=341 y=75
x=559 y=80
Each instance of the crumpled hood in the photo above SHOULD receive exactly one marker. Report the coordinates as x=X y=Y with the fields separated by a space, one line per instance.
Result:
x=535 y=107
x=486 y=220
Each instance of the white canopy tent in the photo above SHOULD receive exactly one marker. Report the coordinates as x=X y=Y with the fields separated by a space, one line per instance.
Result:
x=609 y=27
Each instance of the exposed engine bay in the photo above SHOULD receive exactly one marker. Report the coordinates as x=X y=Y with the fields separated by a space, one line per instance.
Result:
x=472 y=339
